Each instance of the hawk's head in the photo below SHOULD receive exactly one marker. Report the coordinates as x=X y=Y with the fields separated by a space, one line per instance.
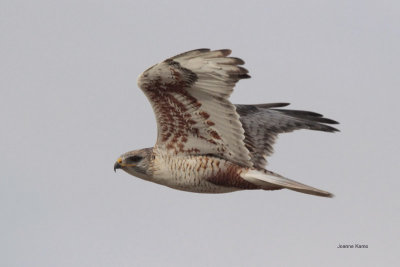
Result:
x=136 y=162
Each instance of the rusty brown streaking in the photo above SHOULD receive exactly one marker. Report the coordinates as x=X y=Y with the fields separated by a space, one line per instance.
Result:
x=230 y=177
x=176 y=107
x=204 y=114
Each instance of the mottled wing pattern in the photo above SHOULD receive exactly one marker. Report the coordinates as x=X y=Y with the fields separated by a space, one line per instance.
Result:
x=262 y=124
x=189 y=95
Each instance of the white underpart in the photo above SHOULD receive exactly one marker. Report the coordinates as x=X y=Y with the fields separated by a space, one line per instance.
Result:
x=189 y=173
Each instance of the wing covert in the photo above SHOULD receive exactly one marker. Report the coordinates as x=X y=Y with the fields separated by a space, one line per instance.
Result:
x=189 y=95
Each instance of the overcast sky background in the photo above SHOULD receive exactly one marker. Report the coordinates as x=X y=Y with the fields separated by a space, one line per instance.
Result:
x=70 y=106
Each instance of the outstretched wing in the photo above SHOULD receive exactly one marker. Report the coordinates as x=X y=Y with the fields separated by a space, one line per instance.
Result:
x=189 y=95
x=262 y=124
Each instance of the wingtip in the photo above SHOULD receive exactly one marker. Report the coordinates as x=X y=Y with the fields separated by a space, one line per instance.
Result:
x=330 y=121
x=327 y=128
x=237 y=61
x=225 y=52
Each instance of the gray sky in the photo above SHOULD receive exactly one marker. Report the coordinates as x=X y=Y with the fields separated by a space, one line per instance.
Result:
x=70 y=106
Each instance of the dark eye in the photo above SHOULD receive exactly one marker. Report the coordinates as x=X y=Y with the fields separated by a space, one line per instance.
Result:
x=135 y=158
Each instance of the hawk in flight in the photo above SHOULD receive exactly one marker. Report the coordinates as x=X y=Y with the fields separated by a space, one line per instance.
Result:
x=205 y=143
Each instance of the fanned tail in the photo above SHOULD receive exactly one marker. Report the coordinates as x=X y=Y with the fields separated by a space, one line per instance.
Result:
x=267 y=180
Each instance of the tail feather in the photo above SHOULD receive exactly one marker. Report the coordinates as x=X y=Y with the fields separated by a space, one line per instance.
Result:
x=269 y=179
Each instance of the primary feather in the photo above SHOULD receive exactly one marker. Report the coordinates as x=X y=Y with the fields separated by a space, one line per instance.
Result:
x=263 y=122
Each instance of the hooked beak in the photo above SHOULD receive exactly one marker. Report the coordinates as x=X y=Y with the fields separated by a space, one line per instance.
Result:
x=117 y=164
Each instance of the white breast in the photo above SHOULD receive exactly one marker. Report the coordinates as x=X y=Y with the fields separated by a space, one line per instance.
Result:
x=188 y=173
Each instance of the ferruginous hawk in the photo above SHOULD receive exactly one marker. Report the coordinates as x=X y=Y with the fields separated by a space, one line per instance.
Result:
x=205 y=143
